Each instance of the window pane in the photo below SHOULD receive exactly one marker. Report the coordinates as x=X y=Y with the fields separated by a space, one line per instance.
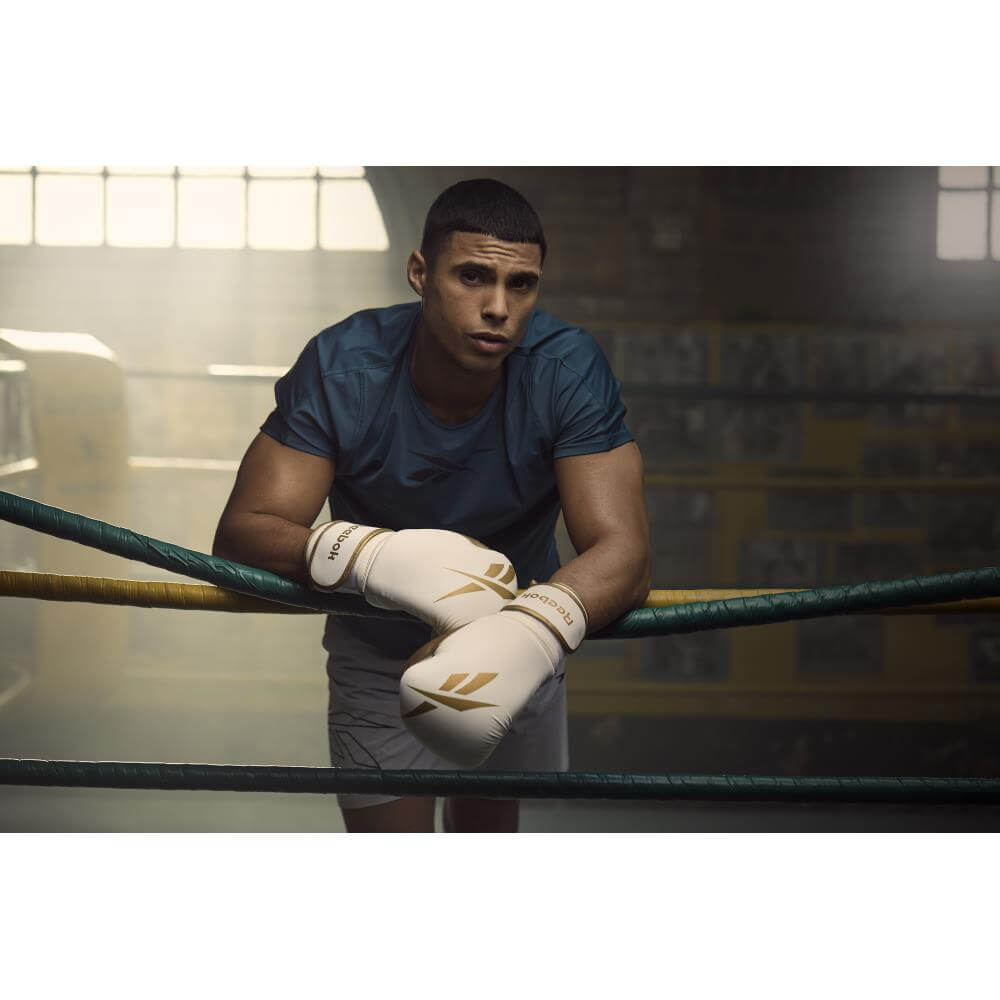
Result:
x=961 y=225
x=210 y=212
x=69 y=211
x=281 y=171
x=995 y=209
x=282 y=215
x=342 y=171
x=349 y=217
x=963 y=177
x=140 y=211
x=15 y=208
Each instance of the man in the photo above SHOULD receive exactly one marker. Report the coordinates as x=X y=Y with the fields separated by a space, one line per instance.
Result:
x=475 y=413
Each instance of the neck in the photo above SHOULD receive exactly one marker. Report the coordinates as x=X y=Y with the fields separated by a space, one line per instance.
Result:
x=451 y=393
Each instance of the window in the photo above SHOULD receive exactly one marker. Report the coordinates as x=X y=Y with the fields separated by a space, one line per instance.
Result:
x=15 y=207
x=261 y=208
x=968 y=213
x=140 y=211
x=211 y=210
x=69 y=210
x=281 y=209
x=348 y=214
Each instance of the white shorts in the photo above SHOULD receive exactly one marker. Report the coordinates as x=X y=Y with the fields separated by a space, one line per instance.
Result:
x=365 y=729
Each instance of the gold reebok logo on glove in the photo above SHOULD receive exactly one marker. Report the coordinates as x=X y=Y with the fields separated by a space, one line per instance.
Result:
x=462 y=704
x=487 y=582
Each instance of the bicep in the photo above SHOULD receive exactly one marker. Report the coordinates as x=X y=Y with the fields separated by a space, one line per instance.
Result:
x=601 y=496
x=275 y=479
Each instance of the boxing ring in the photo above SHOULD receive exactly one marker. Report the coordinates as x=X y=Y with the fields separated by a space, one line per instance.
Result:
x=231 y=587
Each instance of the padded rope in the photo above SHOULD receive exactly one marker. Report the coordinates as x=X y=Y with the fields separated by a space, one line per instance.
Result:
x=188 y=562
x=497 y=784
x=199 y=597
x=822 y=602
x=731 y=612
x=137 y=593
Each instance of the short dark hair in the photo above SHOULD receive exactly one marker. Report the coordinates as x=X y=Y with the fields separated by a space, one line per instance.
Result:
x=483 y=206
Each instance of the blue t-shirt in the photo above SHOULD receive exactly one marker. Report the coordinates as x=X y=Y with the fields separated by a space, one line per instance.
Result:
x=349 y=397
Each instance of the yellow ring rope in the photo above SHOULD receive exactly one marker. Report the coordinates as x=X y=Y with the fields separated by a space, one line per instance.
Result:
x=203 y=597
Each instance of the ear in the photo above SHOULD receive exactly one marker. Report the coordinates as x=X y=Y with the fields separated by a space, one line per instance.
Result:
x=416 y=272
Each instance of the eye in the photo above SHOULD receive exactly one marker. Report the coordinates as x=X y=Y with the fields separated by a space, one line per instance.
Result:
x=471 y=277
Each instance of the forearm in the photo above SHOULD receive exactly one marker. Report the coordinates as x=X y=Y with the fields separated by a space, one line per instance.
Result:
x=265 y=541
x=611 y=577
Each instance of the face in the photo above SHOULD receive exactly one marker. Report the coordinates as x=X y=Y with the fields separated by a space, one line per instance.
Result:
x=477 y=297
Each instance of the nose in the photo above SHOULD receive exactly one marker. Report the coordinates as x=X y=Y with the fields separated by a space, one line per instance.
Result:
x=495 y=307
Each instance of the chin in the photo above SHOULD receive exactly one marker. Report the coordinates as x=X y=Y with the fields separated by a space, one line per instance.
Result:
x=482 y=364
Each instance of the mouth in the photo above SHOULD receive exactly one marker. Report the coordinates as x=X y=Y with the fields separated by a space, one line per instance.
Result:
x=488 y=343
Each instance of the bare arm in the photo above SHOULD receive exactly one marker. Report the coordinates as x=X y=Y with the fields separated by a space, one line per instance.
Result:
x=278 y=493
x=605 y=515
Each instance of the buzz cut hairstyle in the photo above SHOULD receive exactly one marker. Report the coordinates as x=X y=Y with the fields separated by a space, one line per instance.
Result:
x=484 y=206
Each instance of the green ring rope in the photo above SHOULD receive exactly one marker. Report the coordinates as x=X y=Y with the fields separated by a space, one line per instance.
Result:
x=496 y=784
x=165 y=555
x=820 y=602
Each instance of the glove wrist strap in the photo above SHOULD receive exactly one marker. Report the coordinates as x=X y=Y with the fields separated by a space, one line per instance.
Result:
x=558 y=608
x=339 y=554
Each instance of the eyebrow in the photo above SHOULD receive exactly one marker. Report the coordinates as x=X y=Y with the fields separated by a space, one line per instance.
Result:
x=490 y=269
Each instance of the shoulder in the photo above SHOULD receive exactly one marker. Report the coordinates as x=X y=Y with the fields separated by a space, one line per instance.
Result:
x=369 y=339
x=564 y=348
x=571 y=388
x=336 y=361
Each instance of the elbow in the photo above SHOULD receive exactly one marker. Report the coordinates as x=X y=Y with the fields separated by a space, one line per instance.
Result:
x=643 y=579
x=219 y=547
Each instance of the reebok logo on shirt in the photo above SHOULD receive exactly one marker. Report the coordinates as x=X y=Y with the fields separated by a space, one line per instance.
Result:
x=439 y=468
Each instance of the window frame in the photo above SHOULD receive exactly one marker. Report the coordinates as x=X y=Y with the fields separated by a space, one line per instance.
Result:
x=319 y=175
x=992 y=191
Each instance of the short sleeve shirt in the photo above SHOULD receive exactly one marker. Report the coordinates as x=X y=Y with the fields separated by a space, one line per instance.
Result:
x=349 y=397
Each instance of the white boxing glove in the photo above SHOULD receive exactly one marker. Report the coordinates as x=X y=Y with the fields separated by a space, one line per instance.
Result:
x=441 y=577
x=460 y=692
